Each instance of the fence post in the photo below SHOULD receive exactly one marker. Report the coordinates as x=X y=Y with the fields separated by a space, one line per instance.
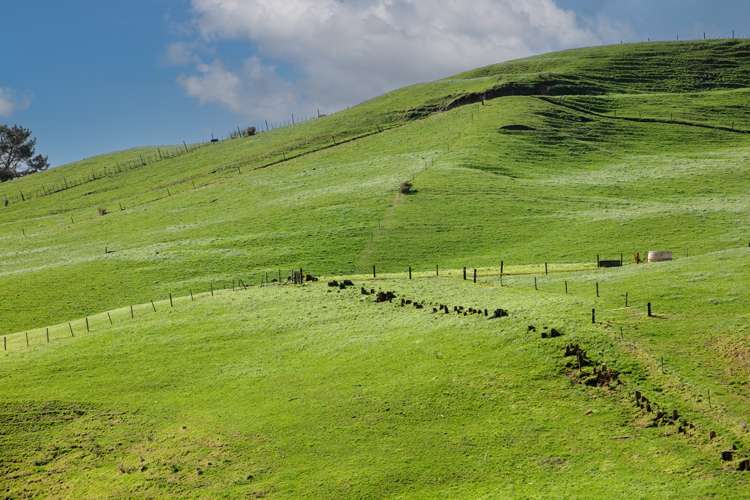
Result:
x=409 y=272
x=649 y=310
x=566 y=287
x=502 y=265
x=46 y=331
x=374 y=274
x=437 y=270
x=597 y=289
x=593 y=316
x=131 y=312
x=191 y=296
x=70 y=327
x=109 y=316
x=545 y=268
x=27 y=339
x=464 y=273
x=153 y=306
x=87 y=325
x=212 y=289
x=535 y=286
x=171 y=304
x=626 y=299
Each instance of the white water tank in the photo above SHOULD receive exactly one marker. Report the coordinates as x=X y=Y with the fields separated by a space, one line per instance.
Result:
x=659 y=256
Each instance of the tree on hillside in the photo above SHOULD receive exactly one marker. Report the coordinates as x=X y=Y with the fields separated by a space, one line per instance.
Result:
x=17 y=158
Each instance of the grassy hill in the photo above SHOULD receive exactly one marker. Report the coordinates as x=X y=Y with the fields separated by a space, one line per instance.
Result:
x=292 y=391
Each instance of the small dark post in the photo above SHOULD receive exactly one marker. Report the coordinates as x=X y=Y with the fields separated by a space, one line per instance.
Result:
x=475 y=275
x=409 y=272
x=597 y=289
x=626 y=299
x=131 y=312
x=502 y=265
x=109 y=316
x=46 y=331
x=153 y=306
x=535 y=287
x=212 y=289
x=649 y=310
x=464 y=273
x=191 y=296
x=545 y=268
x=70 y=327
x=374 y=274
x=566 y=287
x=27 y=338
x=621 y=259
x=171 y=304
x=87 y=325
x=437 y=270
x=593 y=316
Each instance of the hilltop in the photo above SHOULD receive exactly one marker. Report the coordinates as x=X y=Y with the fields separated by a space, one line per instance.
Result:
x=545 y=162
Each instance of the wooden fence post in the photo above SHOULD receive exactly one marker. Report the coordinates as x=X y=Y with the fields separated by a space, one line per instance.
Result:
x=27 y=339
x=131 y=312
x=437 y=270
x=626 y=299
x=545 y=269
x=87 y=325
x=191 y=296
x=475 y=275
x=535 y=286
x=593 y=316
x=464 y=273
x=171 y=304
x=46 y=331
x=502 y=265
x=153 y=306
x=212 y=289
x=70 y=327
x=566 y=287
x=374 y=275
x=409 y=272
x=649 y=310
x=109 y=316
x=597 y=289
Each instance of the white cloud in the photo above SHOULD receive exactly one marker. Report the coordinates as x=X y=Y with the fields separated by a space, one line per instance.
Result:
x=255 y=90
x=348 y=51
x=10 y=102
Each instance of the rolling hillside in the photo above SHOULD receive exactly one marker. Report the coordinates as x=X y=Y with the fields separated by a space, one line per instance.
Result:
x=283 y=390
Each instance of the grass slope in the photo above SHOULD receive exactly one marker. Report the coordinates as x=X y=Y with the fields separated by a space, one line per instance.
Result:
x=309 y=392
x=288 y=391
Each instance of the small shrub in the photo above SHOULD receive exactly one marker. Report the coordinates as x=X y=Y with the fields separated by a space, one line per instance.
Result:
x=406 y=188
x=102 y=211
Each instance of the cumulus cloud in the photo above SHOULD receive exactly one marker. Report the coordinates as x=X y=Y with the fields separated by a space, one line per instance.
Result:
x=10 y=102
x=344 y=52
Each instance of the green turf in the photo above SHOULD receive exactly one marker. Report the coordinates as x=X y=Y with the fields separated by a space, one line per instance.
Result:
x=593 y=152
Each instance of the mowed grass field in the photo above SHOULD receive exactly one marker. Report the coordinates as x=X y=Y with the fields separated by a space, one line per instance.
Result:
x=311 y=391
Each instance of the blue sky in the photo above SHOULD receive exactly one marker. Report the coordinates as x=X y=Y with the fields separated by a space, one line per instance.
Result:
x=92 y=76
